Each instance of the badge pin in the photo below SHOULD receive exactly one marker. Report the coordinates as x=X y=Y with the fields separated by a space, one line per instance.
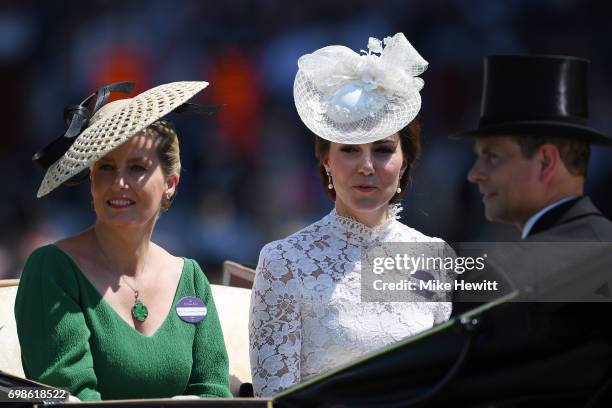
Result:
x=191 y=309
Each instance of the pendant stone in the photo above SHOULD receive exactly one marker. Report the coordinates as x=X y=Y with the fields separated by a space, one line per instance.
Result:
x=139 y=311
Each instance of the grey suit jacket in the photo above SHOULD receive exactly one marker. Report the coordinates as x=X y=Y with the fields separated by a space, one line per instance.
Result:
x=567 y=257
x=576 y=220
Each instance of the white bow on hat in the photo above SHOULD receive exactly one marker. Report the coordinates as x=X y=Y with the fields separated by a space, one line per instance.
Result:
x=347 y=97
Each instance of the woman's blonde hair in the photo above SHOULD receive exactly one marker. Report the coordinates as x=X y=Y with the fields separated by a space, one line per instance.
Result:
x=168 y=150
x=168 y=153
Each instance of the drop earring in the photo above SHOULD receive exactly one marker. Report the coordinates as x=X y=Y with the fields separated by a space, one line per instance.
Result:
x=165 y=199
x=329 y=181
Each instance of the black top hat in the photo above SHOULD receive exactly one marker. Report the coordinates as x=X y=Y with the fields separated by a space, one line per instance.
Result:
x=536 y=95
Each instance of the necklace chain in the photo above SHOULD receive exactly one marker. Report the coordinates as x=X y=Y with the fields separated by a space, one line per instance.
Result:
x=144 y=266
x=139 y=309
x=136 y=292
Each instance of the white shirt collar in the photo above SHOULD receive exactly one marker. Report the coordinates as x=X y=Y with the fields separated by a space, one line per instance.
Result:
x=535 y=217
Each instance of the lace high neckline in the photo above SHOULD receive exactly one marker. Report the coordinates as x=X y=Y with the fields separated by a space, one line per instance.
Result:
x=351 y=229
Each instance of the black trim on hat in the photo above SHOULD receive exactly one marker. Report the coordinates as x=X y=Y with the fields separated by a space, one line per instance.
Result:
x=77 y=119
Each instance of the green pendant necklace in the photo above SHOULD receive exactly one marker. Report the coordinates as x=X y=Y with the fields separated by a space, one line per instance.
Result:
x=139 y=309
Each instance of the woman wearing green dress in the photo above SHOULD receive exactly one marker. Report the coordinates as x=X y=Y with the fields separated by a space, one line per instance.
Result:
x=107 y=313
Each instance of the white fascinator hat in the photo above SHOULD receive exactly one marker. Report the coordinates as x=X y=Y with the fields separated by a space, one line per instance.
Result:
x=352 y=98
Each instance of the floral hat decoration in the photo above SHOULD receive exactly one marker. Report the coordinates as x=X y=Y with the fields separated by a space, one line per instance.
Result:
x=91 y=134
x=352 y=98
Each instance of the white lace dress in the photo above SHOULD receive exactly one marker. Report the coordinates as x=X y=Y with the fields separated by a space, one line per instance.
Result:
x=307 y=316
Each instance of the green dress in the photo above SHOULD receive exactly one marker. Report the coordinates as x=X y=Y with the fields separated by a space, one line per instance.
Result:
x=72 y=338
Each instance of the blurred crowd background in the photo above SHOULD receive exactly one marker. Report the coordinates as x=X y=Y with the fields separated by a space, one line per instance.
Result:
x=249 y=172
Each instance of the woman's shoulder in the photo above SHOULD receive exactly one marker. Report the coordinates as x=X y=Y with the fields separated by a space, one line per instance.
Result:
x=48 y=267
x=48 y=255
x=279 y=257
x=193 y=280
x=411 y=234
x=424 y=242
x=189 y=269
x=191 y=266
x=77 y=248
x=298 y=239
x=166 y=259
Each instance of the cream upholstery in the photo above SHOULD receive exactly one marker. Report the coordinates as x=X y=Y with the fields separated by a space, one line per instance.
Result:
x=10 y=357
x=232 y=307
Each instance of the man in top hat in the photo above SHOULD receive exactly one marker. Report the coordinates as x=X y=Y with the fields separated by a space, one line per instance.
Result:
x=533 y=146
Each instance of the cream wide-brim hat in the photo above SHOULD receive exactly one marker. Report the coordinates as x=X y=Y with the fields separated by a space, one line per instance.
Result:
x=114 y=124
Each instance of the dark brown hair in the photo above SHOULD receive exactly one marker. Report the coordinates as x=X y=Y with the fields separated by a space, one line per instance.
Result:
x=574 y=153
x=411 y=150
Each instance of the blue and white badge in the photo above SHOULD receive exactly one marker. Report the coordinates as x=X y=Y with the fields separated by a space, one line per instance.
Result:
x=191 y=309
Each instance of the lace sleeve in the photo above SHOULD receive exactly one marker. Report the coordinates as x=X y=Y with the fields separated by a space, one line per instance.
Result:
x=275 y=324
x=444 y=306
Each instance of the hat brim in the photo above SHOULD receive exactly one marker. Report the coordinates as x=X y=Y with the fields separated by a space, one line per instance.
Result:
x=106 y=134
x=539 y=128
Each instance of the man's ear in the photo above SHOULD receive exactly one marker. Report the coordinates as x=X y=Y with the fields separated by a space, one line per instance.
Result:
x=549 y=161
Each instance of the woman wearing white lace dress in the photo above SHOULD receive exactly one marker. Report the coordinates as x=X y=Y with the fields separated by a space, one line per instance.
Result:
x=307 y=314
